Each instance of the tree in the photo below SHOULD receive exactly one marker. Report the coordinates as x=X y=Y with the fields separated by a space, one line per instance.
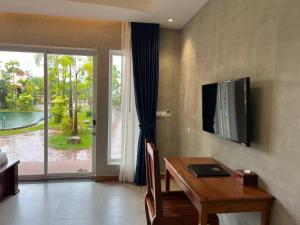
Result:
x=58 y=108
x=75 y=131
x=65 y=63
x=27 y=95
x=38 y=88
x=12 y=68
x=116 y=87
x=24 y=102
x=70 y=77
x=86 y=87
x=54 y=69
x=27 y=85
x=70 y=96
x=53 y=74
x=4 y=84
x=59 y=70
x=3 y=93
x=83 y=73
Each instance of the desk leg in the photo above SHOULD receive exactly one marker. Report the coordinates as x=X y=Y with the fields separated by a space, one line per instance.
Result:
x=266 y=215
x=12 y=179
x=168 y=177
x=203 y=219
x=203 y=216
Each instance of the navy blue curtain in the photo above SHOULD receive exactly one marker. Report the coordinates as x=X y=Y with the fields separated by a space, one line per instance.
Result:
x=145 y=58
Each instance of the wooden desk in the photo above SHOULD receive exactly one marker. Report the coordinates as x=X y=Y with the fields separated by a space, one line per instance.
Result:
x=217 y=194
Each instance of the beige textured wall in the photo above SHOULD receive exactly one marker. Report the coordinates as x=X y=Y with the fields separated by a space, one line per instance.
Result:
x=168 y=92
x=101 y=35
x=230 y=39
x=74 y=33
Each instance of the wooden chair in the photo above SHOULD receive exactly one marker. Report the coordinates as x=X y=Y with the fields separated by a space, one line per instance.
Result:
x=167 y=208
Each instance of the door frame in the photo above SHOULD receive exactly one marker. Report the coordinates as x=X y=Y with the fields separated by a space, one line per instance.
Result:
x=45 y=50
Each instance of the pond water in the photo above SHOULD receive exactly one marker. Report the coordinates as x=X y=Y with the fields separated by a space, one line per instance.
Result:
x=15 y=120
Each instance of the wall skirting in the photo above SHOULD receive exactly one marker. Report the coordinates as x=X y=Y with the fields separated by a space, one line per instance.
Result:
x=106 y=178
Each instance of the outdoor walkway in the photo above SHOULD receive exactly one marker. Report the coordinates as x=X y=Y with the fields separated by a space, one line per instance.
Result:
x=29 y=148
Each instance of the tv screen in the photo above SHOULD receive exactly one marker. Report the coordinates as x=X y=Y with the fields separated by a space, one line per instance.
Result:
x=225 y=109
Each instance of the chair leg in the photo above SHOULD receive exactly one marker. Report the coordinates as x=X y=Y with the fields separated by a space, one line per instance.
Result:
x=147 y=214
x=213 y=219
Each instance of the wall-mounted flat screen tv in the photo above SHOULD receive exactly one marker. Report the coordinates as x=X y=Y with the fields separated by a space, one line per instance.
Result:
x=225 y=109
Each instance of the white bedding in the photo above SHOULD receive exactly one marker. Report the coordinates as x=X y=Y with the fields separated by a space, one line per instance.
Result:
x=3 y=158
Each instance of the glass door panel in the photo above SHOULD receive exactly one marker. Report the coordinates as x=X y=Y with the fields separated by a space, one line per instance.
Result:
x=115 y=102
x=70 y=105
x=22 y=109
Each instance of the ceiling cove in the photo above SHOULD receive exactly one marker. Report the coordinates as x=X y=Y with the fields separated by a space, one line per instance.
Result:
x=148 y=11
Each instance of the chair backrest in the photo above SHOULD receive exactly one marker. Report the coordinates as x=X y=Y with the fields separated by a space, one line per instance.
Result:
x=153 y=177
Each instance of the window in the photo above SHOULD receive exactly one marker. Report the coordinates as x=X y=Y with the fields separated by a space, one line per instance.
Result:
x=115 y=108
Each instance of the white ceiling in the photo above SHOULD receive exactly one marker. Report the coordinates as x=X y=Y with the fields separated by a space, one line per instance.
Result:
x=151 y=11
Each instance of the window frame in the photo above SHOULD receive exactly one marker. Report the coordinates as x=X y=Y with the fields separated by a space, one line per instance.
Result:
x=111 y=161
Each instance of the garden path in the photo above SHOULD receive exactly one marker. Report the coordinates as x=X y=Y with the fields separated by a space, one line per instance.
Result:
x=29 y=148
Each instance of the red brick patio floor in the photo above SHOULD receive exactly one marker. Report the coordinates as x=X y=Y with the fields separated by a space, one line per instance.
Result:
x=29 y=149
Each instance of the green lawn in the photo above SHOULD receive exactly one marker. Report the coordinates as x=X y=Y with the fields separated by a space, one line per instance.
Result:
x=59 y=141
x=39 y=126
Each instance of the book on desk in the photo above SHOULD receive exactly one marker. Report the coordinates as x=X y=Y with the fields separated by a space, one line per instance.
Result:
x=207 y=170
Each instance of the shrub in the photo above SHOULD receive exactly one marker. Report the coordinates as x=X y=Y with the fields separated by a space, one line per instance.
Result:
x=24 y=102
x=58 y=108
x=3 y=93
x=83 y=128
x=10 y=101
x=88 y=113
x=67 y=126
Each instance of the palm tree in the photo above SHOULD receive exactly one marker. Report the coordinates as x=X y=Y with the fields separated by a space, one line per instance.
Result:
x=88 y=68
x=67 y=62
x=75 y=129
x=12 y=68
x=85 y=69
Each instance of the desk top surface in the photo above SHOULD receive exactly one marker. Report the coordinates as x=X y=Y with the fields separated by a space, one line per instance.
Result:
x=213 y=189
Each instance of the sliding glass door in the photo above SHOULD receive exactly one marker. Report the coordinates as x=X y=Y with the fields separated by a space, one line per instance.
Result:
x=21 y=110
x=70 y=107
x=46 y=111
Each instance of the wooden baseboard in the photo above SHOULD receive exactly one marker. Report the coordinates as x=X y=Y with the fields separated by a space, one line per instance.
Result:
x=106 y=178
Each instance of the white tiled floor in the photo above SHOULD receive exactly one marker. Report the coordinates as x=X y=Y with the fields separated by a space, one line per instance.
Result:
x=74 y=203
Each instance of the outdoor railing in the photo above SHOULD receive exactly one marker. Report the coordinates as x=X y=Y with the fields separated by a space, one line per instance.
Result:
x=3 y=122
